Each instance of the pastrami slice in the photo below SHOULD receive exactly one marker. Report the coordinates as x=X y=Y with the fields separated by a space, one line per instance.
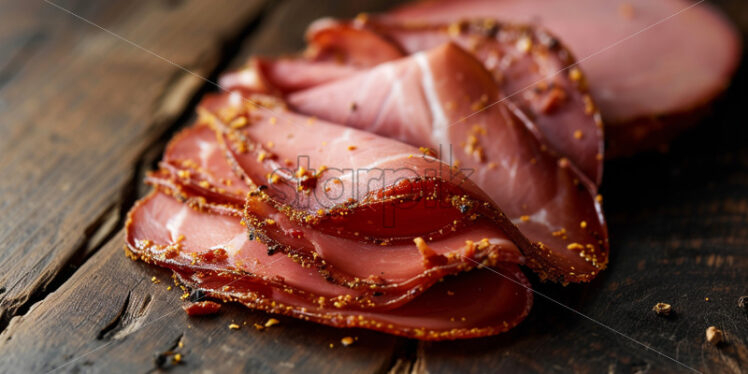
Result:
x=532 y=67
x=652 y=65
x=553 y=204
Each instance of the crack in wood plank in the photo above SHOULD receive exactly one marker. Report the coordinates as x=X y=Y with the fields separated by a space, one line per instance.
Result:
x=104 y=332
x=410 y=358
x=128 y=320
x=95 y=235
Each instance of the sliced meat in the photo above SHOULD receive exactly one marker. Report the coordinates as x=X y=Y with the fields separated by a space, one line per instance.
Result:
x=431 y=93
x=162 y=230
x=530 y=66
x=648 y=62
x=195 y=159
x=350 y=46
x=357 y=219
x=317 y=167
x=344 y=258
x=284 y=75
x=212 y=252
x=475 y=304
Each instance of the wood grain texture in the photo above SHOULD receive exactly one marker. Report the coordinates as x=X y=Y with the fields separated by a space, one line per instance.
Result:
x=678 y=221
x=78 y=107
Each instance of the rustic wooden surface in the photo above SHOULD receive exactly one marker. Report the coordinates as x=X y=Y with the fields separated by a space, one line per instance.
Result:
x=84 y=114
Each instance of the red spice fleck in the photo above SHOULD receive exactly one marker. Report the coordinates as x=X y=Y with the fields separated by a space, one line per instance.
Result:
x=215 y=256
x=297 y=234
x=202 y=308
x=552 y=100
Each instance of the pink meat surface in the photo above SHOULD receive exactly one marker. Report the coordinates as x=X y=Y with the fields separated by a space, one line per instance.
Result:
x=644 y=59
x=551 y=202
x=194 y=224
x=531 y=67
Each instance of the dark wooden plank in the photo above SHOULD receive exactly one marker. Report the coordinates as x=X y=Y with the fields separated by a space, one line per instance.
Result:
x=679 y=232
x=78 y=106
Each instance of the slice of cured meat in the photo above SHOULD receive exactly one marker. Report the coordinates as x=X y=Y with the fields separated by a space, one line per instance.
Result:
x=530 y=65
x=478 y=303
x=397 y=265
x=649 y=63
x=283 y=75
x=353 y=205
x=212 y=252
x=430 y=94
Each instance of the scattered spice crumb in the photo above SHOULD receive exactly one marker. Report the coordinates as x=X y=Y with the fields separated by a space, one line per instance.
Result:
x=714 y=335
x=578 y=134
x=707 y=299
x=662 y=309
x=583 y=224
x=234 y=326
x=331 y=345
x=168 y=288
x=743 y=303
x=524 y=44
x=525 y=218
x=352 y=147
x=575 y=74
x=346 y=341
x=238 y=122
x=162 y=357
x=155 y=280
x=271 y=322
x=259 y=327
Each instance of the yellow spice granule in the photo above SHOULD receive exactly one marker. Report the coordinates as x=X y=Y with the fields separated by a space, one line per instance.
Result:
x=271 y=322
x=346 y=341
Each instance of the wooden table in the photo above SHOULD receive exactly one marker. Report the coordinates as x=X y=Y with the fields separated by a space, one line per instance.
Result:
x=84 y=114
